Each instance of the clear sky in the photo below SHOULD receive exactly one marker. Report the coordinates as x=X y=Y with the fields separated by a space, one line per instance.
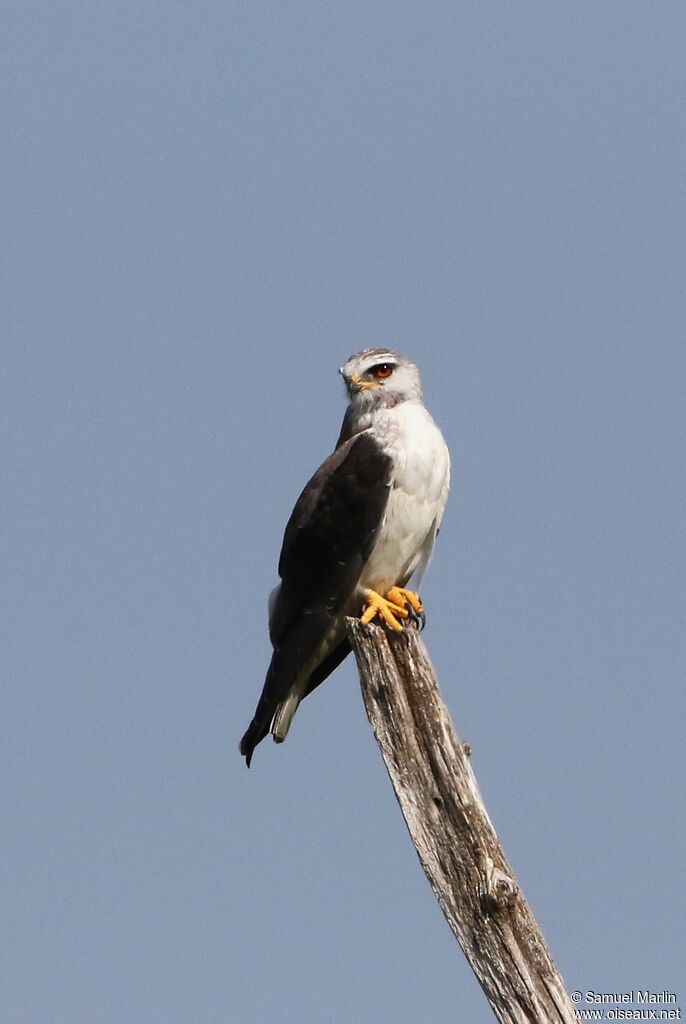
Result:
x=206 y=208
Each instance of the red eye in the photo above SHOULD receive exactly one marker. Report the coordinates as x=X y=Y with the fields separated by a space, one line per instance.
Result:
x=383 y=371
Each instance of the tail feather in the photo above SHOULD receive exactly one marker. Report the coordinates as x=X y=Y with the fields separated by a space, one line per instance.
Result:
x=283 y=716
x=267 y=720
x=275 y=716
x=254 y=734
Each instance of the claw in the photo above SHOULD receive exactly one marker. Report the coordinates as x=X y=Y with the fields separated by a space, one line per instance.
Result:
x=385 y=609
x=411 y=602
x=418 y=618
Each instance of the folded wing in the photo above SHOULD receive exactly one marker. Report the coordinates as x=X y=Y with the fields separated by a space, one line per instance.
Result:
x=327 y=541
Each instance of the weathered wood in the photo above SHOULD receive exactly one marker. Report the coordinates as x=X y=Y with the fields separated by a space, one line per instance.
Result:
x=451 y=830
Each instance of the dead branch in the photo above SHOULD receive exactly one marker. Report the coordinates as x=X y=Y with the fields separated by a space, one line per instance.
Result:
x=451 y=830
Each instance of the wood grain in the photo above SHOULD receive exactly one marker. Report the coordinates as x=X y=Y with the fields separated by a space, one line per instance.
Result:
x=451 y=830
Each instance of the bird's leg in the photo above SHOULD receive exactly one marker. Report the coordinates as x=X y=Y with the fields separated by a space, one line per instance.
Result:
x=376 y=604
x=404 y=597
x=398 y=595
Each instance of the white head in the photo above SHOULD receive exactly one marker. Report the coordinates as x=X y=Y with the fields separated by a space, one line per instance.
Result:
x=379 y=377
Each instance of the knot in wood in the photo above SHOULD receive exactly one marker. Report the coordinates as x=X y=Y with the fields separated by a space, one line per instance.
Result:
x=500 y=890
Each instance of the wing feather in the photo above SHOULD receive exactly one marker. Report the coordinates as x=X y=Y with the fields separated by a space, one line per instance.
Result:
x=331 y=532
x=328 y=539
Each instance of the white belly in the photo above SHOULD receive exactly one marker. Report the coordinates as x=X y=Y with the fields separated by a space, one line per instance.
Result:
x=416 y=502
x=419 y=491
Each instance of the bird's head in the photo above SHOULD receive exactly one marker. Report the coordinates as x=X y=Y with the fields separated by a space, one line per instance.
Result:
x=378 y=377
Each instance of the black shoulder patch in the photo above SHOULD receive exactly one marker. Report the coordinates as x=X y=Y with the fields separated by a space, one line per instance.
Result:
x=332 y=530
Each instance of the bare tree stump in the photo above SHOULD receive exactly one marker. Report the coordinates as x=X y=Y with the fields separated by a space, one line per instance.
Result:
x=451 y=830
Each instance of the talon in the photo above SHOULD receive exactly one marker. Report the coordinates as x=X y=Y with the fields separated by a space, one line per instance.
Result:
x=411 y=602
x=404 y=597
x=385 y=609
x=418 y=618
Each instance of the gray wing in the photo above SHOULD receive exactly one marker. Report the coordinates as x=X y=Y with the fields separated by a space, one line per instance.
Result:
x=327 y=541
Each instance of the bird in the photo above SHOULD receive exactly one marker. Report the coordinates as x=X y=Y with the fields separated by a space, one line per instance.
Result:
x=362 y=529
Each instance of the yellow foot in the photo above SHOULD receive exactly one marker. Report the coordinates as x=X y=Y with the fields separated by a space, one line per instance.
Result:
x=404 y=597
x=386 y=609
x=411 y=602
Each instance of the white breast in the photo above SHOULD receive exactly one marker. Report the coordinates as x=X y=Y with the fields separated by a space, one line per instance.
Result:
x=419 y=491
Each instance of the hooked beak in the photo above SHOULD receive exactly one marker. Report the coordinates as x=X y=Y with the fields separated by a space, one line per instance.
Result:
x=356 y=384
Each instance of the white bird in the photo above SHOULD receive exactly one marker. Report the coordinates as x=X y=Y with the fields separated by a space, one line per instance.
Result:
x=362 y=529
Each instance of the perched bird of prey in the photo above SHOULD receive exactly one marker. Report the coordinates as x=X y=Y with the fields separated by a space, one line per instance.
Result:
x=363 y=527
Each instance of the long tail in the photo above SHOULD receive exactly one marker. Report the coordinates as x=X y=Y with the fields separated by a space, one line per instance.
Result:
x=269 y=719
x=275 y=716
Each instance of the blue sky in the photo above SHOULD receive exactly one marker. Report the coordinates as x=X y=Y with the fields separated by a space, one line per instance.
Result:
x=206 y=209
